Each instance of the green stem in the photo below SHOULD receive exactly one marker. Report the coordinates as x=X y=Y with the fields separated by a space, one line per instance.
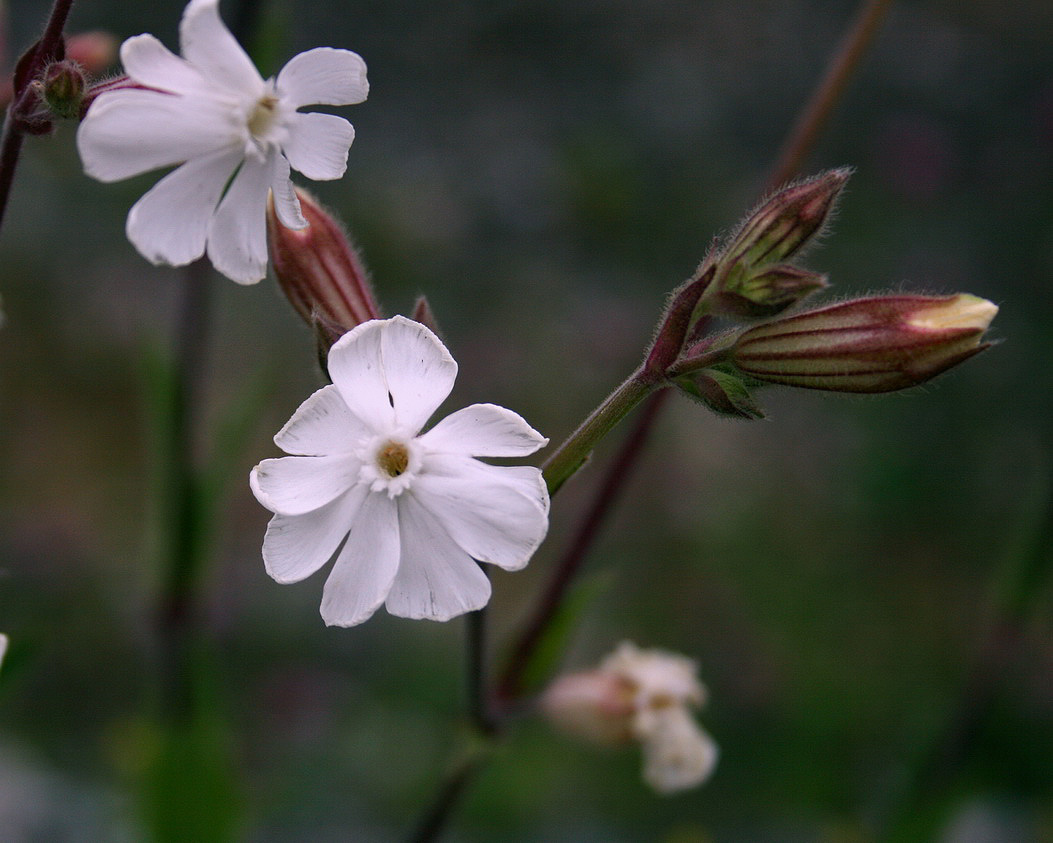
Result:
x=573 y=453
x=177 y=620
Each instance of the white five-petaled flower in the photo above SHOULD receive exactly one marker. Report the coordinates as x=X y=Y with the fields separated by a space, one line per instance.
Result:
x=212 y=110
x=413 y=511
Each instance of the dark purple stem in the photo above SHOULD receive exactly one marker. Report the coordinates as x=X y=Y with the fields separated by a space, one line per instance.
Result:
x=607 y=495
x=46 y=48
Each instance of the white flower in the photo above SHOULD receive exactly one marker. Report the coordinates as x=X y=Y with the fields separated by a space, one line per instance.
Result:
x=641 y=695
x=416 y=509
x=212 y=110
x=3 y=647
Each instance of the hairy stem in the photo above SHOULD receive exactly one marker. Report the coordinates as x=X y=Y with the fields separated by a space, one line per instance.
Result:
x=573 y=453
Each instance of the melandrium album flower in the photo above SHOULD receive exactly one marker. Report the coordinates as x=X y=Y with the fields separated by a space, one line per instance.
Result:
x=641 y=695
x=212 y=110
x=416 y=509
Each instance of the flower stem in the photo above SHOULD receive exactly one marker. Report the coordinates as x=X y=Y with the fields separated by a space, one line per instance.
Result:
x=814 y=115
x=12 y=133
x=510 y=684
x=478 y=701
x=183 y=546
x=573 y=453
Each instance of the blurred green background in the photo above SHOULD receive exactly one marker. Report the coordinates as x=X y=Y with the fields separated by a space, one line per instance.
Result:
x=863 y=581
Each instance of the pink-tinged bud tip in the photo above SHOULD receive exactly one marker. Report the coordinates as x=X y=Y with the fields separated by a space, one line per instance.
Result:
x=869 y=345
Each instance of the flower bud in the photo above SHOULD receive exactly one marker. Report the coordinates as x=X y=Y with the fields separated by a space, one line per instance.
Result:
x=783 y=225
x=320 y=272
x=62 y=88
x=767 y=293
x=722 y=392
x=875 y=344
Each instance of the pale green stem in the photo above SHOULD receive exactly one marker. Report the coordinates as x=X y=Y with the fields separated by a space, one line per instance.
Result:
x=575 y=450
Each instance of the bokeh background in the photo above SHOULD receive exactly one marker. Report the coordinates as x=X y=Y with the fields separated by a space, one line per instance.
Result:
x=864 y=582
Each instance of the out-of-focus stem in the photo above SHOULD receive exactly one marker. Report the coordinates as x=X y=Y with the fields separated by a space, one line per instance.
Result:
x=510 y=683
x=183 y=535
x=478 y=700
x=813 y=117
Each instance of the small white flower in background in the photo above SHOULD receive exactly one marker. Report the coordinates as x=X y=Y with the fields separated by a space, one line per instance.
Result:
x=416 y=509
x=3 y=647
x=641 y=695
x=212 y=110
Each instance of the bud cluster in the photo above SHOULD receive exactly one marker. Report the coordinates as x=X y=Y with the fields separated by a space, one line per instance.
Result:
x=754 y=278
x=868 y=345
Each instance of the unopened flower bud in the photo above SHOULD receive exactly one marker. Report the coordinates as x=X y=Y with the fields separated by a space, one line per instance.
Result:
x=722 y=392
x=784 y=224
x=62 y=88
x=94 y=51
x=320 y=272
x=767 y=293
x=875 y=344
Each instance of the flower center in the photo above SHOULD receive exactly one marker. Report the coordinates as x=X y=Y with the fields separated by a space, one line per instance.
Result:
x=393 y=458
x=262 y=117
x=390 y=462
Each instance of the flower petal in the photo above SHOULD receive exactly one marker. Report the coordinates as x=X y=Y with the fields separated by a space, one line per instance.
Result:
x=436 y=579
x=364 y=570
x=149 y=62
x=494 y=513
x=208 y=45
x=295 y=546
x=393 y=373
x=131 y=131
x=484 y=430
x=323 y=76
x=677 y=753
x=317 y=145
x=321 y=425
x=237 y=236
x=169 y=224
x=297 y=485
x=286 y=202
